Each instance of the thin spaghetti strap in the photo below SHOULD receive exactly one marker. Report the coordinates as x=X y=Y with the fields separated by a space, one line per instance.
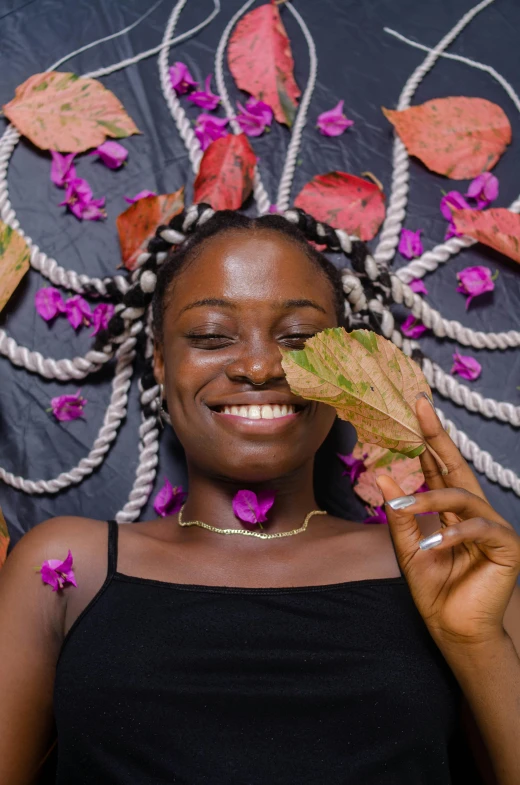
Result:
x=113 y=531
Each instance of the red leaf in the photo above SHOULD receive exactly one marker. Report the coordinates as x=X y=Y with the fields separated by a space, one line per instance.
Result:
x=345 y=202
x=64 y=112
x=225 y=177
x=499 y=228
x=137 y=225
x=458 y=137
x=260 y=59
x=405 y=471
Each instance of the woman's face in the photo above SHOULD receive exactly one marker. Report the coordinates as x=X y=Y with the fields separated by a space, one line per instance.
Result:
x=244 y=296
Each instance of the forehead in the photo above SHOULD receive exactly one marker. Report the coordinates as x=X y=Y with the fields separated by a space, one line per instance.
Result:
x=251 y=267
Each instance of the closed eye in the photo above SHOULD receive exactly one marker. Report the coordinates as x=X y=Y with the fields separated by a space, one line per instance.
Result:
x=209 y=340
x=297 y=338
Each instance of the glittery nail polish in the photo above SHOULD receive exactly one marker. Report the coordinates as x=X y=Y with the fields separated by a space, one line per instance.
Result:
x=431 y=541
x=401 y=502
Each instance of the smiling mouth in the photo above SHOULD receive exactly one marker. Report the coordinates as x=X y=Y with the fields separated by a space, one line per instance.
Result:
x=256 y=412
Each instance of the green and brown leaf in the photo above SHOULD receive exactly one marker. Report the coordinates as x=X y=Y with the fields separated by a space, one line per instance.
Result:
x=14 y=261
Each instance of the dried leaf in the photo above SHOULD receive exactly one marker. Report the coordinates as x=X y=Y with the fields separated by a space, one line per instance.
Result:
x=14 y=261
x=225 y=178
x=4 y=539
x=137 y=224
x=405 y=471
x=368 y=380
x=261 y=62
x=68 y=113
x=497 y=227
x=457 y=136
x=345 y=202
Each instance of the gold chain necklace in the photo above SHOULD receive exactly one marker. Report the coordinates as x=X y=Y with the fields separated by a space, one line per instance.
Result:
x=246 y=532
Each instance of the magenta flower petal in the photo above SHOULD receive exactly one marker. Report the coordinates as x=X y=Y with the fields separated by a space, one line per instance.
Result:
x=209 y=128
x=410 y=245
x=333 y=122
x=412 y=328
x=101 y=316
x=68 y=407
x=112 y=154
x=141 y=195
x=453 y=200
x=260 y=109
x=78 y=198
x=474 y=281
x=58 y=574
x=181 y=79
x=169 y=499
x=417 y=286
x=250 y=123
x=355 y=466
x=252 y=508
x=62 y=170
x=49 y=302
x=484 y=189
x=92 y=211
x=379 y=516
x=466 y=367
x=78 y=311
x=205 y=98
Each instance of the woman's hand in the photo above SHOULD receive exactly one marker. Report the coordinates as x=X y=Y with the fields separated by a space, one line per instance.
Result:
x=462 y=585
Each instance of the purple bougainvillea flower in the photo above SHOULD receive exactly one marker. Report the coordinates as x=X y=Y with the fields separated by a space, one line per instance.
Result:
x=410 y=244
x=274 y=209
x=112 y=154
x=453 y=200
x=169 y=499
x=484 y=189
x=253 y=123
x=209 y=128
x=58 y=574
x=78 y=311
x=355 y=466
x=260 y=109
x=49 y=302
x=252 y=507
x=379 y=516
x=474 y=281
x=181 y=79
x=334 y=122
x=101 y=316
x=68 y=407
x=62 y=170
x=141 y=195
x=412 y=328
x=466 y=366
x=78 y=198
x=417 y=286
x=205 y=98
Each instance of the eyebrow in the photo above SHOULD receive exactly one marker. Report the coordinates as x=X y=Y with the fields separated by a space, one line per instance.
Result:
x=219 y=303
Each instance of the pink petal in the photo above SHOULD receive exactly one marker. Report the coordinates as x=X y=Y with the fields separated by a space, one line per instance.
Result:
x=101 y=316
x=78 y=311
x=484 y=189
x=467 y=367
x=378 y=517
x=205 y=98
x=49 y=577
x=68 y=407
x=181 y=79
x=250 y=124
x=355 y=466
x=412 y=328
x=169 y=499
x=48 y=302
x=245 y=507
x=417 y=286
x=112 y=154
x=62 y=170
x=261 y=109
x=453 y=200
x=333 y=122
x=141 y=195
x=265 y=502
x=410 y=244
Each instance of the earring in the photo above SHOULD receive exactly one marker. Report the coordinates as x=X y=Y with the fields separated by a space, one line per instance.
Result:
x=163 y=414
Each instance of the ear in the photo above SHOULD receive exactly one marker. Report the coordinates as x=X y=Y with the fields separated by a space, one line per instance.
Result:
x=158 y=363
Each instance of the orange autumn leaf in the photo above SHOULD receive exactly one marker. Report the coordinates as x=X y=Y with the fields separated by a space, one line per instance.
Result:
x=405 y=471
x=68 y=113
x=261 y=62
x=225 y=178
x=14 y=261
x=499 y=228
x=458 y=137
x=4 y=539
x=137 y=224
x=345 y=202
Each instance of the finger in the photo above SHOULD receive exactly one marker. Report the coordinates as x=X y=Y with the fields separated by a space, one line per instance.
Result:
x=455 y=500
x=403 y=524
x=459 y=474
x=500 y=544
x=430 y=470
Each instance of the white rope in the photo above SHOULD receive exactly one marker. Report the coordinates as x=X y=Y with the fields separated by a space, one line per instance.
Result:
x=481 y=459
x=260 y=194
x=113 y=418
x=396 y=212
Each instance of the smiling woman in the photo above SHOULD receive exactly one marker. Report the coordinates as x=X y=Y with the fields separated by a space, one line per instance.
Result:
x=186 y=656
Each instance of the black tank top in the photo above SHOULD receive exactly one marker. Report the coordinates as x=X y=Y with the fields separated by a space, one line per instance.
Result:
x=161 y=683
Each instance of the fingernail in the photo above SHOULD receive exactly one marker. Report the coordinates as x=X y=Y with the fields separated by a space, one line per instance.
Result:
x=425 y=395
x=430 y=542
x=401 y=502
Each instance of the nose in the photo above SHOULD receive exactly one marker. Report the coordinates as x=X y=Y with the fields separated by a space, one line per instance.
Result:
x=256 y=362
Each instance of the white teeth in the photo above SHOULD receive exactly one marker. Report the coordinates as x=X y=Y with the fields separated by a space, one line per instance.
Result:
x=265 y=412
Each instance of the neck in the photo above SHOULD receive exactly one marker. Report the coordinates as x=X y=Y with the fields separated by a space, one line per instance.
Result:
x=210 y=500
